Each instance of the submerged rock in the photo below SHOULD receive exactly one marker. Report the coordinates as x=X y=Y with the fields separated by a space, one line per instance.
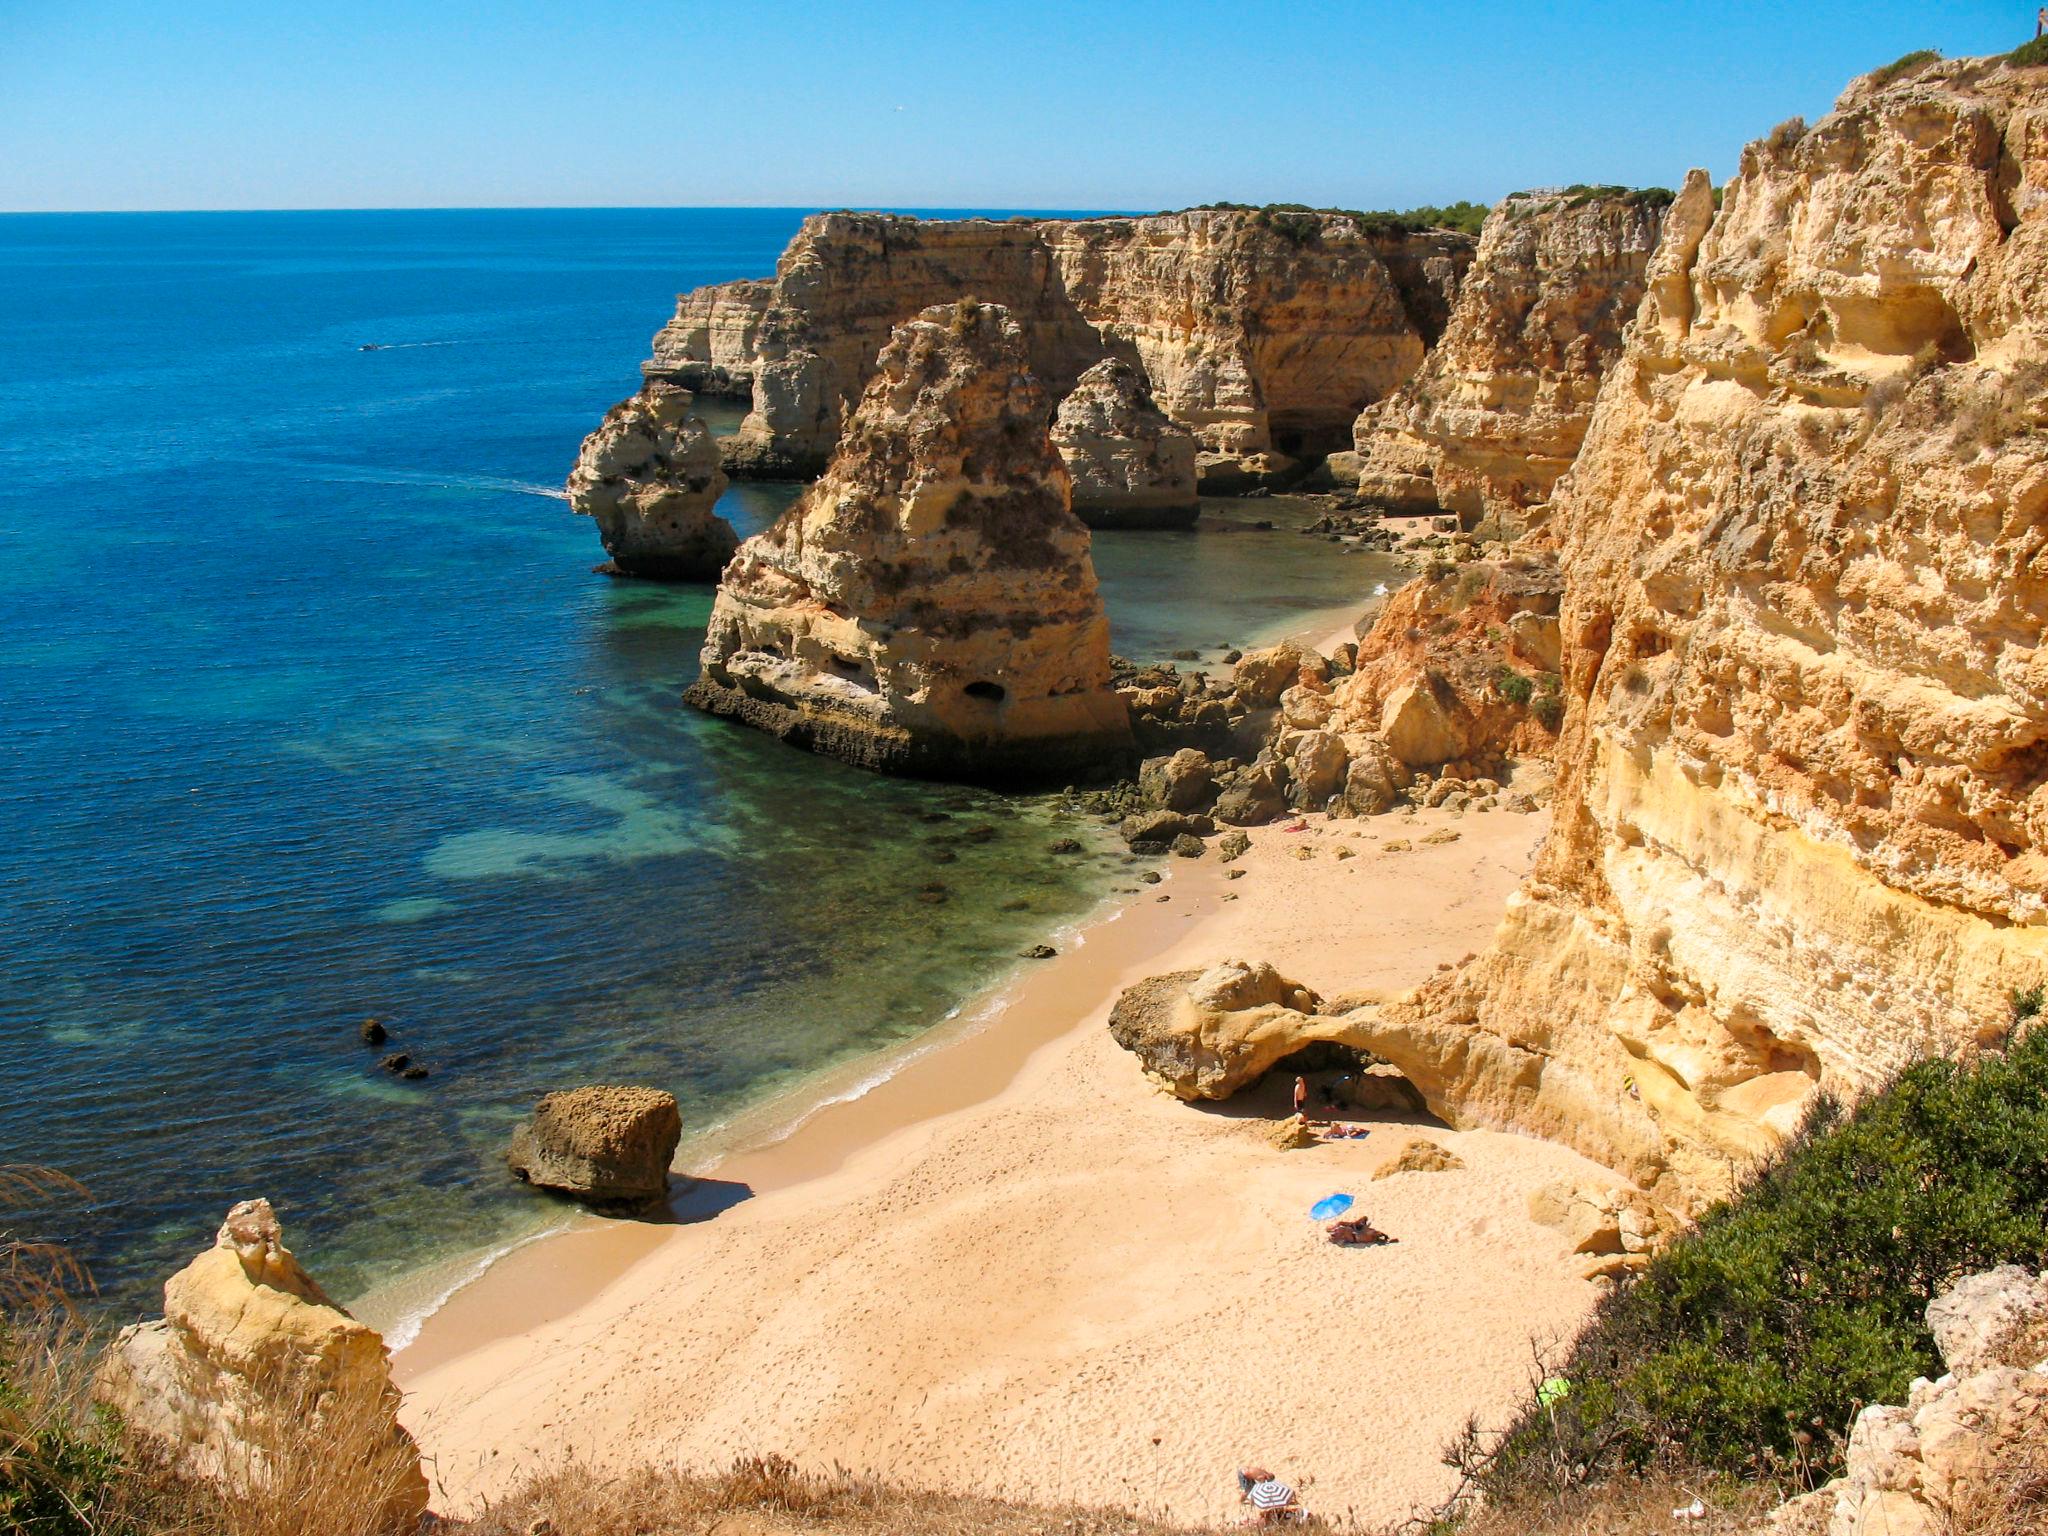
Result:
x=250 y=1363
x=1132 y=467
x=604 y=1145
x=650 y=477
x=928 y=607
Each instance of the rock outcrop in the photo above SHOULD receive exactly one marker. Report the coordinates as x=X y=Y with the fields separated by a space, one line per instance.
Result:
x=929 y=606
x=1263 y=334
x=252 y=1365
x=1206 y=1034
x=606 y=1145
x=1802 y=825
x=650 y=477
x=1498 y=410
x=1967 y=1452
x=1131 y=466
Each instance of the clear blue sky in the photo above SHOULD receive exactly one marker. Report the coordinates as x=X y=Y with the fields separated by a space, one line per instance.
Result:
x=910 y=103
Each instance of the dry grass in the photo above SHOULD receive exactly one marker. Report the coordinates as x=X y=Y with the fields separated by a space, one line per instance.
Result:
x=1633 y=1506
x=2012 y=1502
x=771 y=1497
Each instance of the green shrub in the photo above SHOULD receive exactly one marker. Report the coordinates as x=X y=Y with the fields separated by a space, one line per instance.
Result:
x=2029 y=54
x=1514 y=687
x=1752 y=1342
x=1904 y=65
x=1547 y=706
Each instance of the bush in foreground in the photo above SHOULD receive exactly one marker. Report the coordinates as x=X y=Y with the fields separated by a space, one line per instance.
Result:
x=1750 y=1345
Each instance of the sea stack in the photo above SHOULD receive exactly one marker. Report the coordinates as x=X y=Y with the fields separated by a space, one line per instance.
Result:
x=929 y=606
x=650 y=476
x=1132 y=466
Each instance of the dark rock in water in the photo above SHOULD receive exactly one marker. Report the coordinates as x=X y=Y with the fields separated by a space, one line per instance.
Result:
x=943 y=856
x=1066 y=845
x=1263 y=526
x=1233 y=656
x=395 y=1063
x=1150 y=877
x=1187 y=846
x=1148 y=847
x=413 y=1073
x=1014 y=904
x=932 y=898
x=933 y=818
x=372 y=1032
x=1038 y=952
x=604 y=1145
x=981 y=834
x=1187 y=655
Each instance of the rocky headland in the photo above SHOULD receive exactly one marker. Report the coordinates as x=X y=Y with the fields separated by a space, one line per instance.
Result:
x=1262 y=333
x=1498 y=409
x=929 y=606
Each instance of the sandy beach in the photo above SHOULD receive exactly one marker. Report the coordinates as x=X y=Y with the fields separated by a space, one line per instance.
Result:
x=1014 y=1267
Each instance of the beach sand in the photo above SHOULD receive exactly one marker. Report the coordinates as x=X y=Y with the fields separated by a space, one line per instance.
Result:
x=1013 y=1267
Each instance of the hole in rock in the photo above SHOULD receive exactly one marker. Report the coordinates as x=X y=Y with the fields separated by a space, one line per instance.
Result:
x=991 y=693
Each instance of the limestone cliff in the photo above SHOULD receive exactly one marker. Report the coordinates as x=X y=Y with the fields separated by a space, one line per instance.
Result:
x=649 y=476
x=253 y=1373
x=1262 y=333
x=1131 y=465
x=1498 y=410
x=1804 y=762
x=929 y=606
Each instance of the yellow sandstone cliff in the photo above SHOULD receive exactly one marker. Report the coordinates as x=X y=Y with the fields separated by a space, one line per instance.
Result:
x=1500 y=407
x=1803 y=788
x=1262 y=333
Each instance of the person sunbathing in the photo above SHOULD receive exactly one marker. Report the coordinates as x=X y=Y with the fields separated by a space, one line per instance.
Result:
x=1272 y=1501
x=1358 y=1232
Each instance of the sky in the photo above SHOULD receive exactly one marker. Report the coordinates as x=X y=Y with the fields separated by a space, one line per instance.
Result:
x=1121 y=104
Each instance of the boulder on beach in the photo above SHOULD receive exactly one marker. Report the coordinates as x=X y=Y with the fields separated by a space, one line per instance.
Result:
x=607 y=1146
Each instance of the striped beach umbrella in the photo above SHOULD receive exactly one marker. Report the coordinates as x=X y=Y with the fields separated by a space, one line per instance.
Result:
x=1271 y=1494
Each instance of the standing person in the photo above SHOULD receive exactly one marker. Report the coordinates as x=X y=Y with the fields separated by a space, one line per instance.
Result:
x=1301 y=1097
x=2040 y=21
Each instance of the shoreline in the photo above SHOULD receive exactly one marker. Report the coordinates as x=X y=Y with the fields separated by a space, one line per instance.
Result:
x=765 y=1320
x=401 y=1307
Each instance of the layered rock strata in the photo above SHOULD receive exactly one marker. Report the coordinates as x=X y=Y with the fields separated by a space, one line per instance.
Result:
x=603 y=1144
x=1264 y=334
x=252 y=1366
x=650 y=476
x=1803 y=794
x=929 y=606
x=1499 y=408
x=1131 y=466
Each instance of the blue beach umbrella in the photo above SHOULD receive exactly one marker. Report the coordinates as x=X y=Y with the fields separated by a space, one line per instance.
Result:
x=1329 y=1207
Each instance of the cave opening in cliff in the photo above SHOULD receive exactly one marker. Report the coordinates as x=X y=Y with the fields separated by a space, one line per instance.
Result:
x=989 y=693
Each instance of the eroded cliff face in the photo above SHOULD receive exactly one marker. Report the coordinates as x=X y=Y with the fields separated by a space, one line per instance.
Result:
x=1804 y=764
x=929 y=606
x=1264 y=335
x=1498 y=410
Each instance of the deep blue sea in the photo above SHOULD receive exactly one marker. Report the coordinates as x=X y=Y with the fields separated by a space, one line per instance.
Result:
x=312 y=710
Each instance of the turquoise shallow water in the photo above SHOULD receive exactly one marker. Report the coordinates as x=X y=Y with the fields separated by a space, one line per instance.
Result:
x=313 y=711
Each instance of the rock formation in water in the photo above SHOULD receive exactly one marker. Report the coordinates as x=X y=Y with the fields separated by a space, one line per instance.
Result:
x=1131 y=466
x=1964 y=1452
x=1802 y=826
x=252 y=1364
x=650 y=477
x=609 y=1146
x=1498 y=410
x=929 y=606
x=1264 y=334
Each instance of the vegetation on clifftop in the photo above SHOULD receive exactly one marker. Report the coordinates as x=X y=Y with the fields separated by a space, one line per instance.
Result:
x=1752 y=1342
x=1304 y=224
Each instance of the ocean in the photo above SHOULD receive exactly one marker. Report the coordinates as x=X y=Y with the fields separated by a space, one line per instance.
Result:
x=313 y=711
